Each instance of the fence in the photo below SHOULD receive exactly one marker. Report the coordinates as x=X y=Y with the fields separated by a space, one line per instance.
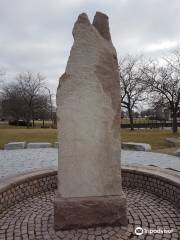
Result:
x=148 y=124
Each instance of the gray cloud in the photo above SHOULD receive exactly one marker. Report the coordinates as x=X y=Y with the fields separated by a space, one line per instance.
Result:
x=36 y=35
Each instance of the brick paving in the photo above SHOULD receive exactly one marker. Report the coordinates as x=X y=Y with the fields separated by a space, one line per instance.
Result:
x=33 y=219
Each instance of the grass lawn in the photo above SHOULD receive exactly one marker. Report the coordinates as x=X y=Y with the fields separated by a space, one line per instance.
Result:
x=29 y=135
x=155 y=137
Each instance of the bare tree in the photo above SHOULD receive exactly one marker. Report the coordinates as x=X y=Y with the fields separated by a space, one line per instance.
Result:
x=30 y=86
x=131 y=88
x=42 y=108
x=164 y=83
x=25 y=98
x=12 y=103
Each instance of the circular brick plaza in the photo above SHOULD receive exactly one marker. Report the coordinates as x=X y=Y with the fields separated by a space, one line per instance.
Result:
x=33 y=219
x=27 y=207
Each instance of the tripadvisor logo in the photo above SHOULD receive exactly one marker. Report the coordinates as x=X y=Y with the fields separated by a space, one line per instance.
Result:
x=139 y=231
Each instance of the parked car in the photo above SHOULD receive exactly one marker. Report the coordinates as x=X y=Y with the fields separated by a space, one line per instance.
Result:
x=22 y=123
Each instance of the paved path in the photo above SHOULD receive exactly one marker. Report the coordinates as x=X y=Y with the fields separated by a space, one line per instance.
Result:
x=33 y=219
x=15 y=161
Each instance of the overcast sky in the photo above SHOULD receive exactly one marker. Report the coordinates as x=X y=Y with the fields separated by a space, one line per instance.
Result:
x=36 y=35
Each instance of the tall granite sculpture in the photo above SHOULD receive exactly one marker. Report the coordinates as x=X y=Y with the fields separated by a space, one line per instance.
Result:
x=88 y=113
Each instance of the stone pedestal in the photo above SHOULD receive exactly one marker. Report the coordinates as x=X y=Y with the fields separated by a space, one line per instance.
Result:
x=90 y=211
x=88 y=114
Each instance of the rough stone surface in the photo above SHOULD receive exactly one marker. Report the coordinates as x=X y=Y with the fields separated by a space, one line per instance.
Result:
x=90 y=211
x=33 y=219
x=177 y=153
x=15 y=145
x=174 y=141
x=100 y=22
x=136 y=146
x=39 y=145
x=88 y=114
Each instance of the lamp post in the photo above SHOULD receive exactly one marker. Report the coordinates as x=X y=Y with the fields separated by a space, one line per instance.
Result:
x=50 y=104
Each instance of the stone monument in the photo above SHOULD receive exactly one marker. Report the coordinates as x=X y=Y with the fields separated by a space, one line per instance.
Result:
x=88 y=112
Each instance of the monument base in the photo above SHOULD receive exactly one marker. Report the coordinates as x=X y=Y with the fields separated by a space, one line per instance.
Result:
x=73 y=213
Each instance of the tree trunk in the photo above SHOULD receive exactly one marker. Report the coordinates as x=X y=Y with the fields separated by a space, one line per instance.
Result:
x=27 y=121
x=174 y=122
x=131 y=119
